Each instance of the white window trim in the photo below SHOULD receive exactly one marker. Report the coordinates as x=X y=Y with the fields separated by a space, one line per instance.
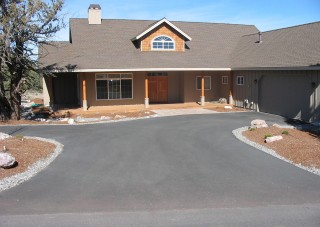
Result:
x=95 y=85
x=155 y=49
x=205 y=88
x=226 y=79
x=238 y=77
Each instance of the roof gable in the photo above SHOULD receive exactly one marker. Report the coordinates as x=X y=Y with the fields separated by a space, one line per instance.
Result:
x=157 y=24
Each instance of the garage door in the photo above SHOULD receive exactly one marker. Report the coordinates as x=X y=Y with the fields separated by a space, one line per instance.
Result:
x=285 y=95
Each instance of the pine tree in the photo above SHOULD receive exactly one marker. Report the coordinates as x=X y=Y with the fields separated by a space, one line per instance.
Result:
x=24 y=25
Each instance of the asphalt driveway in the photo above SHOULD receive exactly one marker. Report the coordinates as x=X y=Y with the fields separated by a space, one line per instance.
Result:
x=180 y=164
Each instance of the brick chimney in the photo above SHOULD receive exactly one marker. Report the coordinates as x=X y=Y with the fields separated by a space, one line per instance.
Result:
x=94 y=14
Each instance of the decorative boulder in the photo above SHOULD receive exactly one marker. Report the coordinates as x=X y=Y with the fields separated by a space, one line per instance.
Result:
x=4 y=136
x=222 y=100
x=71 y=121
x=119 y=117
x=228 y=107
x=259 y=124
x=105 y=118
x=6 y=160
x=273 y=138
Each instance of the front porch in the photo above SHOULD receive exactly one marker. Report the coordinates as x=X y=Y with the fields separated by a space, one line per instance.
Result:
x=94 y=90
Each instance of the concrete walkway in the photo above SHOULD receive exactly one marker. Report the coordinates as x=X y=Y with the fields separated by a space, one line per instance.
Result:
x=186 y=111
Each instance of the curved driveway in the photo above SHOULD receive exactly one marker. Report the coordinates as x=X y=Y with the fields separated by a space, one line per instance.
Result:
x=159 y=165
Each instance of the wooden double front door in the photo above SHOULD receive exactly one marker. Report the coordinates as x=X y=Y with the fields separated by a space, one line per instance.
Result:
x=158 y=89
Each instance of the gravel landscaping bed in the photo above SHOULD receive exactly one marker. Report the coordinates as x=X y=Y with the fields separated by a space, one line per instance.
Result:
x=299 y=153
x=28 y=164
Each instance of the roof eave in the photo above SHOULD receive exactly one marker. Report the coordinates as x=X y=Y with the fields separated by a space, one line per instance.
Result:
x=164 y=20
x=276 y=68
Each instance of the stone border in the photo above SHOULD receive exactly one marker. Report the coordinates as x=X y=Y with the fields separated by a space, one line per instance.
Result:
x=32 y=170
x=118 y=120
x=238 y=134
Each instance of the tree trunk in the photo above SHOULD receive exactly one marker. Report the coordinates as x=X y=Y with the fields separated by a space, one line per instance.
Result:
x=5 y=109
x=15 y=102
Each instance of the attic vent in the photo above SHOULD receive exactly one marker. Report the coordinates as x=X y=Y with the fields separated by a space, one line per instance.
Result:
x=94 y=14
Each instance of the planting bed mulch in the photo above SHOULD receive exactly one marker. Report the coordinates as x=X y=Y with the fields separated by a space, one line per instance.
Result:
x=113 y=115
x=300 y=147
x=26 y=153
x=84 y=114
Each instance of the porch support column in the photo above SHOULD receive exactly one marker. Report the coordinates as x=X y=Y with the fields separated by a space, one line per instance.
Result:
x=84 y=96
x=146 y=98
x=202 y=98
x=231 y=89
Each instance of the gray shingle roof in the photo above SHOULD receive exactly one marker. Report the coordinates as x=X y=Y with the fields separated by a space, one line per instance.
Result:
x=297 y=46
x=109 y=46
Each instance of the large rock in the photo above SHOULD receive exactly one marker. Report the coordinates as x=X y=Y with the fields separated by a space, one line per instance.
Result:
x=258 y=124
x=4 y=136
x=71 y=121
x=273 y=138
x=222 y=100
x=6 y=160
x=105 y=118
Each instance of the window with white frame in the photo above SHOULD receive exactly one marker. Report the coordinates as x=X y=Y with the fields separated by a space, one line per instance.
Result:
x=114 y=86
x=225 y=80
x=163 y=43
x=240 y=80
x=207 y=83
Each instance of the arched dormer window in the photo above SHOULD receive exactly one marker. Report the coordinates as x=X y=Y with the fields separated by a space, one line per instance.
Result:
x=163 y=43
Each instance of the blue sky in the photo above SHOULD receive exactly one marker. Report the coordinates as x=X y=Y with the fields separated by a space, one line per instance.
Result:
x=265 y=14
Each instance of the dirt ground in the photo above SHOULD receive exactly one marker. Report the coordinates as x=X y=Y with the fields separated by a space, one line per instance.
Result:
x=113 y=112
x=301 y=147
x=26 y=153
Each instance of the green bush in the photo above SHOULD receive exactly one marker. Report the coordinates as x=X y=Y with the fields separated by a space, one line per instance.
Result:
x=19 y=136
x=267 y=135
x=285 y=132
x=252 y=129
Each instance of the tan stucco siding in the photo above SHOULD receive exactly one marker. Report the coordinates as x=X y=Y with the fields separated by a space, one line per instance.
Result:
x=138 y=91
x=181 y=88
x=47 y=91
x=175 y=85
x=191 y=94
x=146 y=41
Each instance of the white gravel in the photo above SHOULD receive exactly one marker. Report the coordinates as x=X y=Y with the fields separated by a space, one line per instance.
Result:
x=4 y=136
x=238 y=134
x=32 y=170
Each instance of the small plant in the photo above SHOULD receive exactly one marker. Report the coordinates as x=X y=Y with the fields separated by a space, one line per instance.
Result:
x=252 y=129
x=285 y=132
x=267 y=135
x=19 y=137
x=68 y=114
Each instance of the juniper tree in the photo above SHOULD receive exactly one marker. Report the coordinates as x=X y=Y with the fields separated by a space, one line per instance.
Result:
x=24 y=25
